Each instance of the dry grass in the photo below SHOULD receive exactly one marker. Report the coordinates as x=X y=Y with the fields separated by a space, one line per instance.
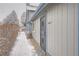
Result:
x=8 y=34
x=38 y=49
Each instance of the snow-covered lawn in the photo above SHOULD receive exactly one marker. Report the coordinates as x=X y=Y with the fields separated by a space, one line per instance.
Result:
x=22 y=46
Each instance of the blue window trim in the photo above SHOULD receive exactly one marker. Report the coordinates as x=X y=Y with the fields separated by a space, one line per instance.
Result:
x=78 y=29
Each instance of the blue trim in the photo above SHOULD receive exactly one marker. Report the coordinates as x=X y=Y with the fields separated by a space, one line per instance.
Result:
x=68 y=28
x=78 y=29
x=38 y=10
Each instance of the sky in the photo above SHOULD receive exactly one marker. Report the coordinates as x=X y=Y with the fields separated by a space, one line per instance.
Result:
x=7 y=8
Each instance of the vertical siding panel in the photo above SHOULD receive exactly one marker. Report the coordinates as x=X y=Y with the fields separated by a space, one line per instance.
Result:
x=75 y=41
x=76 y=29
x=71 y=29
x=64 y=21
x=73 y=24
x=50 y=32
x=60 y=50
x=56 y=30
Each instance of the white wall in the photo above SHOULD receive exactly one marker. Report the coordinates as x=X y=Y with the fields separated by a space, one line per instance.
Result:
x=61 y=32
x=36 y=31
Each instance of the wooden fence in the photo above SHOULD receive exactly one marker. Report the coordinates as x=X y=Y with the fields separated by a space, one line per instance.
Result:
x=8 y=34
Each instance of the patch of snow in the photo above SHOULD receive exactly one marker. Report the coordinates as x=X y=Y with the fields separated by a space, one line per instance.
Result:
x=22 y=46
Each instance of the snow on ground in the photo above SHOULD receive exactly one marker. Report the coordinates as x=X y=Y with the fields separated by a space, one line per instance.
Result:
x=22 y=46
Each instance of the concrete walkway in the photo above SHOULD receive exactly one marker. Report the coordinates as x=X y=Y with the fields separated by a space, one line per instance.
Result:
x=22 y=46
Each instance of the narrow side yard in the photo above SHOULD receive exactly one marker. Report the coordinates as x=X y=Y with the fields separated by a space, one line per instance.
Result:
x=22 y=46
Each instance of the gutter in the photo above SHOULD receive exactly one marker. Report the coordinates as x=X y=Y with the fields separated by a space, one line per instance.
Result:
x=39 y=9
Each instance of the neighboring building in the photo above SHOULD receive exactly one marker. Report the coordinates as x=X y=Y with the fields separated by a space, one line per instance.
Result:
x=11 y=18
x=23 y=19
x=30 y=9
x=55 y=28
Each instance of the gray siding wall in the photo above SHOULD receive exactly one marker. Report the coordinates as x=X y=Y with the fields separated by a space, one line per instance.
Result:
x=36 y=30
x=61 y=29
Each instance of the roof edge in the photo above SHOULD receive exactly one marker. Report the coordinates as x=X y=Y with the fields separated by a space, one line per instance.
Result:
x=38 y=10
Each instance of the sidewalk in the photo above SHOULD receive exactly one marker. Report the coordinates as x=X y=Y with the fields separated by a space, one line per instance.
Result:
x=23 y=46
